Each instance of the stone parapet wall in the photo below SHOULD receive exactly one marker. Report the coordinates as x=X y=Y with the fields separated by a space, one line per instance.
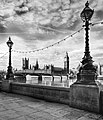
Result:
x=49 y=93
x=101 y=102
x=86 y=97
x=0 y=85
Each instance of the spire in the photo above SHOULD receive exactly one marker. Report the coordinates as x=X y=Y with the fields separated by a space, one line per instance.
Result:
x=66 y=57
x=9 y=38
x=66 y=53
x=87 y=4
x=36 y=61
x=37 y=65
x=30 y=66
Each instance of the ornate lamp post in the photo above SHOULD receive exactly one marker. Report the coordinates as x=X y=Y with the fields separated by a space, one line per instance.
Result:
x=9 y=71
x=85 y=93
x=87 y=72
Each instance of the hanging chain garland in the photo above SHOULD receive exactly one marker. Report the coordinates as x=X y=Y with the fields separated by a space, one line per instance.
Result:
x=96 y=23
x=92 y=24
x=51 y=44
x=44 y=47
x=4 y=55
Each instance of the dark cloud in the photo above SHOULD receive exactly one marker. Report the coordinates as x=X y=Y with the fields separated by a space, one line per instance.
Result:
x=57 y=11
x=76 y=25
x=99 y=14
x=15 y=28
x=2 y=28
x=46 y=36
x=41 y=22
x=23 y=7
x=3 y=36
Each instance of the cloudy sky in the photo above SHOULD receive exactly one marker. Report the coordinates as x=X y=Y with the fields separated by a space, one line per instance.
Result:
x=35 y=24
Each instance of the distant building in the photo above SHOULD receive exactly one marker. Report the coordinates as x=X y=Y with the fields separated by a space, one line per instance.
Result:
x=59 y=70
x=36 y=67
x=66 y=64
x=100 y=69
x=2 y=74
x=25 y=63
x=48 y=69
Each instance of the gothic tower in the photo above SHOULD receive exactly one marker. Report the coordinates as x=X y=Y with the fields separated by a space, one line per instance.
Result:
x=37 y=65
x=25 y=63
x=66 y=63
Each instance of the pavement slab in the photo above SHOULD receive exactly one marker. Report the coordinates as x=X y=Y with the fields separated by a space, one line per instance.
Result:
x=24 y=118
x=18 y=107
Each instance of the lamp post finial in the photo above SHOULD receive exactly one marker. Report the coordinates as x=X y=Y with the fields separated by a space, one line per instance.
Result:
x=87 y=4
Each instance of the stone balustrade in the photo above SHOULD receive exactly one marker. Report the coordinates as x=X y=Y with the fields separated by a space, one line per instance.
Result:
x=48 y=80
x=50 y=93
x=90 y=102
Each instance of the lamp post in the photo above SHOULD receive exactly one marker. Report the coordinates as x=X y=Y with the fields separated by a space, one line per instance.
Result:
x=87 y=72
x=85 y=93
x=86 y=15
x=9 y=71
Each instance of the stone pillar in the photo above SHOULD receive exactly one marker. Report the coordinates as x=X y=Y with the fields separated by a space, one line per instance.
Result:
x=85 y=97
x=6 y=85
x=61 y=78
x=101 y=102
x=52 y=80
x=84 y=93
x=100 y=70
x=40 y=79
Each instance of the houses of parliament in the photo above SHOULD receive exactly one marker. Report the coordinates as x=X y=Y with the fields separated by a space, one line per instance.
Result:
x=48 y=69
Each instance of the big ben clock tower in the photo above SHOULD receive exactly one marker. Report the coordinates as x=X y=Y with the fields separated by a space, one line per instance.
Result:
x=66 y=63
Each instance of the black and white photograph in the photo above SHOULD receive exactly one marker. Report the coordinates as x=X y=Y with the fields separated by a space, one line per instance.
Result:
x=51 y=59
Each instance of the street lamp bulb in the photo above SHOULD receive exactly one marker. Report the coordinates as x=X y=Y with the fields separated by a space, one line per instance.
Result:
x=87 y=13
x=9 y=42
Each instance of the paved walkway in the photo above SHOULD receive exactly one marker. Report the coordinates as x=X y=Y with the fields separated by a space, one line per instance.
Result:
x=17 y=107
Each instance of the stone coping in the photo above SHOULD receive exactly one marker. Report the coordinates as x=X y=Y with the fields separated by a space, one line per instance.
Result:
x=85 y=85
x=42 y=86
